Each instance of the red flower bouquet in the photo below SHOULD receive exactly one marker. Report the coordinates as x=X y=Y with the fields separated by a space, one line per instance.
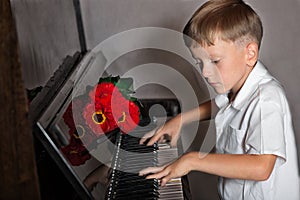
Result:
x=106 y=106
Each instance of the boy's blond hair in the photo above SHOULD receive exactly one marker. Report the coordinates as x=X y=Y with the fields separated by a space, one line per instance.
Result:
x=230 y=20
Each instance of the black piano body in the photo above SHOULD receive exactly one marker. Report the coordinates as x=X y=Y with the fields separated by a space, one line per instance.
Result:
x=46 y=113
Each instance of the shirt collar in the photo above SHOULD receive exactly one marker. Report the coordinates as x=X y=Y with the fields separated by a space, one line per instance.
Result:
x=258 y=72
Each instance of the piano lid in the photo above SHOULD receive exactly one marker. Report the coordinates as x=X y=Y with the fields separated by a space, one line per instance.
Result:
x=48 y=113
x=80 y=155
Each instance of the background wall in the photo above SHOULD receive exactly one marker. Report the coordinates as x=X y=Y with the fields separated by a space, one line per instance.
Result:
x=47 y=33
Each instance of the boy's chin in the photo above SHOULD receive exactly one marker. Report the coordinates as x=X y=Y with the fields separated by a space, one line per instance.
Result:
x=220 y=90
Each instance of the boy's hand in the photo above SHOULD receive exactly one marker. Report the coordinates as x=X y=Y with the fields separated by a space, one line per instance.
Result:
x=171 y=128
x=165 y=173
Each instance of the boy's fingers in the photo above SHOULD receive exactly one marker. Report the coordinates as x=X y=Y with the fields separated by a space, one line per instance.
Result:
x=147 y=136
x=158 y=175
x=162 y=173
x=173 y=142
x=156 y=136
x=165 y=180
x=149 y=170
x=154 y=139
x=143 y=140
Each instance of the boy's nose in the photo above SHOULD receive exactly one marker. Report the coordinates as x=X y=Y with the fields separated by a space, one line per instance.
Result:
x=206 y=72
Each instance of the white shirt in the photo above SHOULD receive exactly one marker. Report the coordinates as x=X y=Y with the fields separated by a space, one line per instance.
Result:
x=258 y=121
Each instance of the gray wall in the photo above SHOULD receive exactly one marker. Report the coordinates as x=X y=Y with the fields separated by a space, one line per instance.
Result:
x=47 y=33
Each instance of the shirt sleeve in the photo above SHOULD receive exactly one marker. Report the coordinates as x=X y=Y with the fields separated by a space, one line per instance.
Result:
x=266 y=134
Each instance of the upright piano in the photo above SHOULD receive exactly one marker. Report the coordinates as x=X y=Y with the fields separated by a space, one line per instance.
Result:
x=114 y=158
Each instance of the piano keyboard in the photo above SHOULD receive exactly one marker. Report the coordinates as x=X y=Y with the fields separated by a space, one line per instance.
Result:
x=173 y=189
x=130 y=157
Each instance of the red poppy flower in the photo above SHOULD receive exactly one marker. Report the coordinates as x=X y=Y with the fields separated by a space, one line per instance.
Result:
x=84 y=134
x=75 y=152
x=103 y=92
x=126 y=114
x=88 y=118
x=80 y=134
x=99 y=119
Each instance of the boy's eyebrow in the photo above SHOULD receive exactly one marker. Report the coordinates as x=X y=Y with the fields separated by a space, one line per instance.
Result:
x=214 y=55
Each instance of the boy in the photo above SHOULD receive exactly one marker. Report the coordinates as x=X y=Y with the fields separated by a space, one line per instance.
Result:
x=255 y=147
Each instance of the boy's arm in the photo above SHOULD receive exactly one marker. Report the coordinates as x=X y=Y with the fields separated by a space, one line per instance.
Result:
x=205 y=111
x=237 y=166
x=172 y=128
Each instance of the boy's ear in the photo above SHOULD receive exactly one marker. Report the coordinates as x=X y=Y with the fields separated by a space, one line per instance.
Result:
x=251 y=53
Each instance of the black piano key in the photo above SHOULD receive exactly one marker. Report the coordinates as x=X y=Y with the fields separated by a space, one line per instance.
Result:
x=131 y=147
x=129 y=183
x=127 y=177
x=137 y=188
x=138 y=197
x=138 y=147
x=133 y=157
x=138 y=159
x=137 y=194
x=140 y=151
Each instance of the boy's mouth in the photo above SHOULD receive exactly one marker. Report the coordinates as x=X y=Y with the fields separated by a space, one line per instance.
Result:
x=212 y=83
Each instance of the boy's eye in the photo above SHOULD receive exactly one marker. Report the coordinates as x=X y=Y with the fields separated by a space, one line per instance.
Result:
x=215 y=61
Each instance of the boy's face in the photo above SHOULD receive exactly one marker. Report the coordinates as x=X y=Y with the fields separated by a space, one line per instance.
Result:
x=224 y=65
